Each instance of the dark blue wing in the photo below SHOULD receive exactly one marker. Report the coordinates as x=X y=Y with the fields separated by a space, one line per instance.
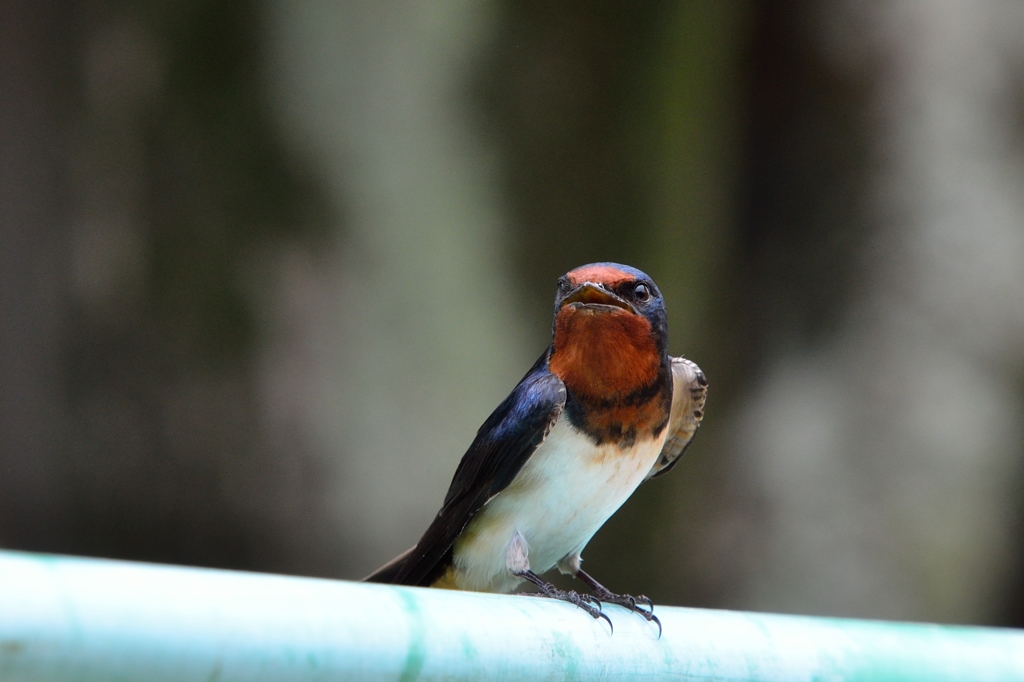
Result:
x=502 y=445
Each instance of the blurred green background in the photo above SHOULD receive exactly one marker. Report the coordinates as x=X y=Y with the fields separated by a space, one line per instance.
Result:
x=266 y=266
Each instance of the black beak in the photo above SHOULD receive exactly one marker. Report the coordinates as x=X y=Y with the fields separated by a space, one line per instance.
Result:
x=591 y=295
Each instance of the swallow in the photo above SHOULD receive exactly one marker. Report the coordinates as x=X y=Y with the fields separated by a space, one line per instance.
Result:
x=603 y=409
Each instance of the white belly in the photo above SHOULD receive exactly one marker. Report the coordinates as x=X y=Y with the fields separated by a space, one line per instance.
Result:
x=563 y=494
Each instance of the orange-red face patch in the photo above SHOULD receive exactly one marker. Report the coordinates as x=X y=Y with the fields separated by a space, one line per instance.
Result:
x=603 y=354
x=599 y=274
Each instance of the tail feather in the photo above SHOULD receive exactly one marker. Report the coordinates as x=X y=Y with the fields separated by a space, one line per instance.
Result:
x=389 y=571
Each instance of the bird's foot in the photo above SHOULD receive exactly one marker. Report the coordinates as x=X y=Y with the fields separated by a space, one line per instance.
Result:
x=635 y=604
x=629 y=601
x=585 y=602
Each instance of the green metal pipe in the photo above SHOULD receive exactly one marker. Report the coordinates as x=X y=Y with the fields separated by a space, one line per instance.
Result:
x=65 y=618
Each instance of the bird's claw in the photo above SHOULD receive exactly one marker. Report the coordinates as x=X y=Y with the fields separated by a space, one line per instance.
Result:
x=586 y=602
x=634 y=604
x=589 y=604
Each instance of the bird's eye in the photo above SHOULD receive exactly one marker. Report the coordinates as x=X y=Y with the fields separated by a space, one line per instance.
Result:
x=641 y=292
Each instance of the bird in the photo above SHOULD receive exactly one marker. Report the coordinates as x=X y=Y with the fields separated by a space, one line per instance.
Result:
x=602 y=410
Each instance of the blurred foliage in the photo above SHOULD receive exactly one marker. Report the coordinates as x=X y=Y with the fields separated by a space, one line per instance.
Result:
x=803 y=228
x=217 y=180
x=559 y=84
x=168 y=459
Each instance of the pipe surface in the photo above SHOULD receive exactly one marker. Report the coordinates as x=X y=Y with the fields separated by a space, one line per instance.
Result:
x=66 y=618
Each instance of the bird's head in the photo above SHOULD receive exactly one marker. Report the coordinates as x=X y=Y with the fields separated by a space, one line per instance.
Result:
x=610 y=330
